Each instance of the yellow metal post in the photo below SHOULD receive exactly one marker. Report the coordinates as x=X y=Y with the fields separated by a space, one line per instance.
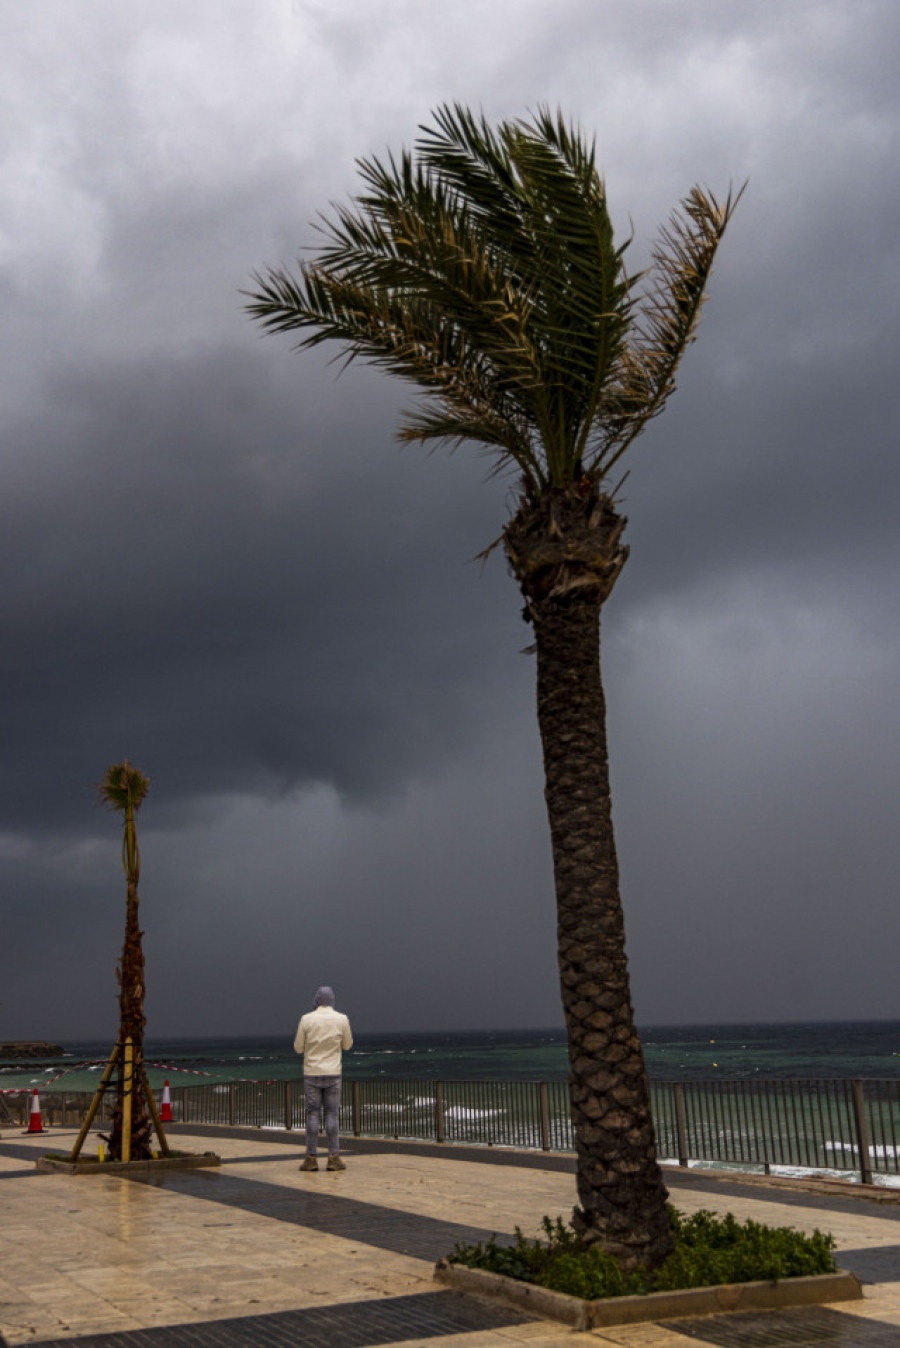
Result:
x=126 y=1102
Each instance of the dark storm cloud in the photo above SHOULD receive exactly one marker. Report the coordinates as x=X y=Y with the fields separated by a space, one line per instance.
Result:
x=244 y=604
x=217 y=561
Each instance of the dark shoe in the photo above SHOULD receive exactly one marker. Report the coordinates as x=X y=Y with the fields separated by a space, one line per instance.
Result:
x=309 y=1163
x=335 y=1163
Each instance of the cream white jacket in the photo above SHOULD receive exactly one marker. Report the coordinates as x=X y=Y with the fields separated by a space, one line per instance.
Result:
x=322 y=1035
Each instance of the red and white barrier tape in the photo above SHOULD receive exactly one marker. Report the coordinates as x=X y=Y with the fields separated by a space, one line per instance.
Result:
x=161 y=1066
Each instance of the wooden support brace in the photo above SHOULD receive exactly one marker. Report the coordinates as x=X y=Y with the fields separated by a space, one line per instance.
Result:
x=95 y=1104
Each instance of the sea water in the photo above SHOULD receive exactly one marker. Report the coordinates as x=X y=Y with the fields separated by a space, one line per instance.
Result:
x=673 y=1053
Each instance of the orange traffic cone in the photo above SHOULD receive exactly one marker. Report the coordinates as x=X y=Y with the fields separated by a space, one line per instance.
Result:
x=165 y=1113
x=34 y=1123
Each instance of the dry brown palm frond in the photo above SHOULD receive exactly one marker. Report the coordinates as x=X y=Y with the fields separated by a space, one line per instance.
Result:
x=123 y=786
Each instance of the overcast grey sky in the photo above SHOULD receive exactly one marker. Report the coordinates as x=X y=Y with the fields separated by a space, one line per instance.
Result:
x=217 y=562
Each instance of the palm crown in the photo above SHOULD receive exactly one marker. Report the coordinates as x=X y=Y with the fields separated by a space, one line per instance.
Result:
x=485 y=270
x=124 y=788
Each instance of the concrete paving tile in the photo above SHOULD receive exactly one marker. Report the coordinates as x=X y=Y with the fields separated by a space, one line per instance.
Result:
x=540 y=1334
x=639 y=1336
x=66 y=1292
x=29 y=1330
x=76 y=1330
x=537 y=1333
x=80 y=1313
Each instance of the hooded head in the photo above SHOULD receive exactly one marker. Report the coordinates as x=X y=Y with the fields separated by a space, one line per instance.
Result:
x=324 y=997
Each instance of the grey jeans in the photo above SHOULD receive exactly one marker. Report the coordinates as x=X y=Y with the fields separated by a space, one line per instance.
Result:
x=323 y=1094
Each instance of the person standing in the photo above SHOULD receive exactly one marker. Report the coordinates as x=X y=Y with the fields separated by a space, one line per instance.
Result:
x=322 y=1036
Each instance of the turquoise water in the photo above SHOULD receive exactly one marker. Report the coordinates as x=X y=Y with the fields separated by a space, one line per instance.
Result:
x=673 y=1053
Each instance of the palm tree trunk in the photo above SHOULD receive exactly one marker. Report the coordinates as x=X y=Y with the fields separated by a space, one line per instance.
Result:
x=131 y=1026
x=620 y=1188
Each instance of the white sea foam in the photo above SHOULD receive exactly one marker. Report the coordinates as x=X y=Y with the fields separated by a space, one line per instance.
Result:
x=787 y=1171
x=874 y=1150
x=462 y=1114
x=852 y=1176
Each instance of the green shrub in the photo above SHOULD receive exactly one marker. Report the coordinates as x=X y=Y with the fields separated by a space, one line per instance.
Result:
x=708 y=1250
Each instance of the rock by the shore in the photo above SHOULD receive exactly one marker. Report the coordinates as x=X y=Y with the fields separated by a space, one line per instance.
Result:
x=29 y=1048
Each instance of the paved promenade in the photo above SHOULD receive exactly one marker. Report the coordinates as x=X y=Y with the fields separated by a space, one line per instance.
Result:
x=258 y=1253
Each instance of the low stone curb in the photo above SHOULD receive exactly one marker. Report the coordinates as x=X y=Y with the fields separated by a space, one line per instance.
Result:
x=582 y=1315
x=187 y=1161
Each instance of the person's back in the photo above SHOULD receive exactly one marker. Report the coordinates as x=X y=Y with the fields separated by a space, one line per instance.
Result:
x=322 y=1037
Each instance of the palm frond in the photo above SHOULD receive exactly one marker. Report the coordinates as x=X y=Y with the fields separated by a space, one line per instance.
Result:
x=667 y=315
x=482 y=267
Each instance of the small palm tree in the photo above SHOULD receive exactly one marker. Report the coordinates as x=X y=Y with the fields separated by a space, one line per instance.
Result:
x=123 y=789
x=483 y=269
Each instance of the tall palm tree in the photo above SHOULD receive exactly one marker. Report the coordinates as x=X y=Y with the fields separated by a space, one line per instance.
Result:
x=123 y=789
x=482 y=267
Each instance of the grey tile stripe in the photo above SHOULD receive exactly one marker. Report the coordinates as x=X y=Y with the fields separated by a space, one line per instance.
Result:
x=407 y=1233
x=457 y=1151
x=873 y=1263
x=863 y=1206
x=20 y=1151
x=885 y=1207
x=432 y=1315
x=367 y=1223
x=807 y=1327
x=357 y=1324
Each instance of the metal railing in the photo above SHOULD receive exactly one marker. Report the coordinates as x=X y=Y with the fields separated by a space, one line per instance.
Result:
x=822 y=1125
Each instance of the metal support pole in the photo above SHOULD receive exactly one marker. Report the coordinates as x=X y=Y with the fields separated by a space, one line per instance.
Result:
x=544 y=1092
x=231 y=1103
x=680 y=1129
x=288 y=1108
x=439 y=1111
x=355 y=1108
x=862 y=1132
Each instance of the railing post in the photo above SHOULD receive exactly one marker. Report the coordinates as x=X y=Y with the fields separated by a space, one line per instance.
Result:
x=680 y=1129
x=231 y=1103
x=355 y=1109
x=862 y=1132
x=288 y=1108
x=439 y=1111
x=544 y=1094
